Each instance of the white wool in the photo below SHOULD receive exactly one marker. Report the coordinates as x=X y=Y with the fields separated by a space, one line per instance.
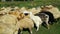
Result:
x=8 y=24
x=49 y=6
x=6 y=10
x=55 y=12
x=16 y=7
x=37 y=20
x=25 y=11
x=3 y=8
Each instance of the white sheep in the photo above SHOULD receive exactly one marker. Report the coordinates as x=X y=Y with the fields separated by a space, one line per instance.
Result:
x=37 y=20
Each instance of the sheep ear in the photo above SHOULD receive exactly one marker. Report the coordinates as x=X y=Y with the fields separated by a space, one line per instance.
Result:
x=21 y=15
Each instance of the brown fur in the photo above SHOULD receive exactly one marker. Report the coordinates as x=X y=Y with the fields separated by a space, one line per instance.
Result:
x=26 y=23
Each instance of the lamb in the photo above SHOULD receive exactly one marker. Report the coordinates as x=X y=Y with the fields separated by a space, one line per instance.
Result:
x=37 y=20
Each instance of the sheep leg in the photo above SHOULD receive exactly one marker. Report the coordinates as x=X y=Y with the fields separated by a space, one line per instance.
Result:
x=47 y=24
x=37 y=27
x=15 y=32
x=30 y=30
x=20 y=32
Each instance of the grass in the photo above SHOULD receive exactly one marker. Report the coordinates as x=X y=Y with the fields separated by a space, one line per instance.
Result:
x=31 y=4
x=54 y=29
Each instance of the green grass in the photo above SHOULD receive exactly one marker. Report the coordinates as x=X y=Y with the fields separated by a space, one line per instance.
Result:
x=54 y=29
x=31 y=4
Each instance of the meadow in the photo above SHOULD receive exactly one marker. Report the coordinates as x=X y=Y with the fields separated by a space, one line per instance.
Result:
x=54 y=29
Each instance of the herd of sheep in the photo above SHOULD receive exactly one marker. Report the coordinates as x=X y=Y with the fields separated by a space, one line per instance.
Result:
x=13 y=19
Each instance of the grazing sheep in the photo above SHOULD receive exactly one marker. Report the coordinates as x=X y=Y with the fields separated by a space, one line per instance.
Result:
x=44 y=17
x=5 y=10
x=51 y=17
x=8 y=24
x=11 y=20
x=16 y=13
x=33 y=10
x=16 y=8
x=23 y=9
x=53 y=10
x=37 y=20
x=23 y=23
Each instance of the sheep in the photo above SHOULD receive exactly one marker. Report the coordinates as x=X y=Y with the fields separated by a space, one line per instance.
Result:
x=44 y=17
x=11 y=20
x=53 y=10
x=23 y=23
x=5 y=10
x=16 y=8
x=8 y=24
x=51 y=16
x=34 y=10
x=37 y=20
x=2 y=8
x=23 y=9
